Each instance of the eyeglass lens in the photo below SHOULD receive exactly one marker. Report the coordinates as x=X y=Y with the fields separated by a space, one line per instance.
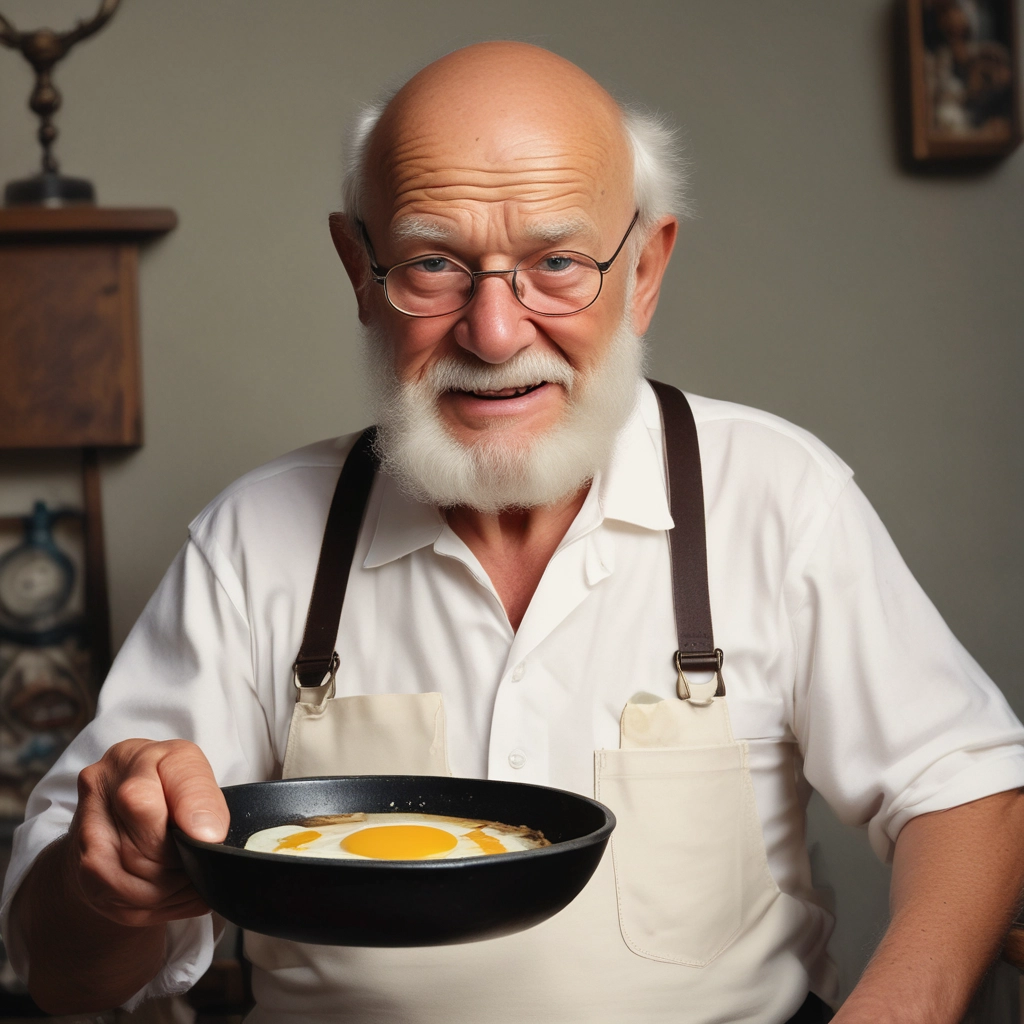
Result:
x=553 y=283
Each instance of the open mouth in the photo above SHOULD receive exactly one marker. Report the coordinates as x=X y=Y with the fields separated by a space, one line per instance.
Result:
x=505 y=393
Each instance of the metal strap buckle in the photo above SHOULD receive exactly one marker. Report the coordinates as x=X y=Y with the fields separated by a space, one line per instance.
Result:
x=699 y=693
x=328 y=679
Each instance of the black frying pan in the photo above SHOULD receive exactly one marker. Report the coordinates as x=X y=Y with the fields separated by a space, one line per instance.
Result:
x=397 y=903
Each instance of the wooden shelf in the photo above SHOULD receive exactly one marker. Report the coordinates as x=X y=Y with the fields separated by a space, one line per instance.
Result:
x=108 y=221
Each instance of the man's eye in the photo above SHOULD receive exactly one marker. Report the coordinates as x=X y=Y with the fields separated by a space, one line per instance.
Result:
x=433 y=264
x=556 y=262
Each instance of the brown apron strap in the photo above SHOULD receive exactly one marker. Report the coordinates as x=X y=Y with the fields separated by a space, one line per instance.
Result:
x=687 y=539
x=318 y=660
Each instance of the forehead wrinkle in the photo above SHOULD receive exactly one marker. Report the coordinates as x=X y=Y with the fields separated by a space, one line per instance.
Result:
x=451 y=195
x=561 y=185
x=421 y=164
x=541 y=172
x=429 y=179
x=493 y=148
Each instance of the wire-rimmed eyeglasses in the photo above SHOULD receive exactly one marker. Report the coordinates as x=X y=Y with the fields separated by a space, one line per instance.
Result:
x=555 y=282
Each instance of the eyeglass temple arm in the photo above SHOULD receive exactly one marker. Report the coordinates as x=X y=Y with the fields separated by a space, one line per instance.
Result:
x=378 y=272
x=604 y=267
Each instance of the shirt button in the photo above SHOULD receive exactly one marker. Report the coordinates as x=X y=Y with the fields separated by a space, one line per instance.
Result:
x=517 y=759
x=518 y=672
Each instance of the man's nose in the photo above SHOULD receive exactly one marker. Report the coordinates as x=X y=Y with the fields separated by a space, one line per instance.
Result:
x=495 y=325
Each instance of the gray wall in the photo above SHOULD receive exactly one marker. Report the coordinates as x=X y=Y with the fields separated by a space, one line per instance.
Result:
x=881 y=310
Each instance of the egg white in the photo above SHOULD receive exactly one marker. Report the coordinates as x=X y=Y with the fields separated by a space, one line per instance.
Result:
x=328 y=843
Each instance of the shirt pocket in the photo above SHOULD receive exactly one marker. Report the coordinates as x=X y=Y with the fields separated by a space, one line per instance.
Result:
x=688 y=854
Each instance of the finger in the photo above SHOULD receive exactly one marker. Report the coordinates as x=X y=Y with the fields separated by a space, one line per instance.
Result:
x=111 y=870
x=145 y=918
x=161 y=782
x=121 y=891
x=144 y=899
x=190 y=905
x=124 y=862
x=124 y=786
x=194 y=800
x=117 y=893
x=123 y=808
x=139 y=809
x=114 y=827
x=114 y=892
x=142 y=896
x=104 y=851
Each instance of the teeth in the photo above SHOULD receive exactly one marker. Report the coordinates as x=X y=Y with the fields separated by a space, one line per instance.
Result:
x=513 y=392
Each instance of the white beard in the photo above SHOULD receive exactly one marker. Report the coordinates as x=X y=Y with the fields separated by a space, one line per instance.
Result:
x=502 y=470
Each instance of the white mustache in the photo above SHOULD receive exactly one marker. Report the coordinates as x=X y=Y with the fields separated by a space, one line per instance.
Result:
x=525 y=369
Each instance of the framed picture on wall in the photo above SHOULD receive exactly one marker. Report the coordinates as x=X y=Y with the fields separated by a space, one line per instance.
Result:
x=964 y=69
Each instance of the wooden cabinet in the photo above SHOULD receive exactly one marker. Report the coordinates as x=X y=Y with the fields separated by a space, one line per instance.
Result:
x=69 y=336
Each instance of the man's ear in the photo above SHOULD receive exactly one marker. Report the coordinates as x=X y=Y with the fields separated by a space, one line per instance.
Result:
x=651 y=269
x=345 y=235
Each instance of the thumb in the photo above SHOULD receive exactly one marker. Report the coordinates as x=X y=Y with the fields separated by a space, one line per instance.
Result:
x=194 y=800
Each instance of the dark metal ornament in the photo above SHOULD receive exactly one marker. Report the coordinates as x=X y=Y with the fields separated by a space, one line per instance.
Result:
x=43 y=49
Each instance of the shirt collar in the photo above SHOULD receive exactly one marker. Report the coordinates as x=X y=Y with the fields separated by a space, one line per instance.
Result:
x=631 y=489
x=403 y=525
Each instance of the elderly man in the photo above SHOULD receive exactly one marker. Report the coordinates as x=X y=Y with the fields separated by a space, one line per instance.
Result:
x=506 y=231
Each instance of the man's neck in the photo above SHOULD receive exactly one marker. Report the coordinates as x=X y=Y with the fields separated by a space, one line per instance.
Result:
x=514 y=547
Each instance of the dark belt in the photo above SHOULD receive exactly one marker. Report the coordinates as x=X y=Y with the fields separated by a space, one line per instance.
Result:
x=813 y=1011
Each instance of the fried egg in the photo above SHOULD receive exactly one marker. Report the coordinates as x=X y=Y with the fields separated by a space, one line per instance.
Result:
x=398 y=836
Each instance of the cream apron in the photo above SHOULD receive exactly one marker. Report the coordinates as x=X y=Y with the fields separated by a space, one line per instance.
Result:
x=681 y=922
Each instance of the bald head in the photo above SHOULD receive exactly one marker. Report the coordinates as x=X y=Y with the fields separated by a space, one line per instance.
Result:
x=487 y=70
x=488 y=81
x=498 y=123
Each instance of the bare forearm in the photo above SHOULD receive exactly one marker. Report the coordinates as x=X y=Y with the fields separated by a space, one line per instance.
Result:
x=79 y=961
x=957 y=876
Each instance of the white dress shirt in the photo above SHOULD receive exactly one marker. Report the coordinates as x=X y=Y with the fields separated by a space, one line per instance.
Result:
x=832 y=651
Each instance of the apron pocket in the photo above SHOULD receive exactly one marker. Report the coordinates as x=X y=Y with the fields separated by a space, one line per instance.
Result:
x=687 y=849
x=371 y=734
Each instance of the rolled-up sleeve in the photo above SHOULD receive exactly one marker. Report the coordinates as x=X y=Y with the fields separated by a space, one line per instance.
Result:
x=894 y=717
x=185 y=672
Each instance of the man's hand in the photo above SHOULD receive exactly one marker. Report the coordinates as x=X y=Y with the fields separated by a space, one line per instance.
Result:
x=93 y=910
x=119 y=850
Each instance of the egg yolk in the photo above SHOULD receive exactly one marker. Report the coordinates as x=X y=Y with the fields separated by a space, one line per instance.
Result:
x=297 y=841
x=486 y=843
x=399 y=842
